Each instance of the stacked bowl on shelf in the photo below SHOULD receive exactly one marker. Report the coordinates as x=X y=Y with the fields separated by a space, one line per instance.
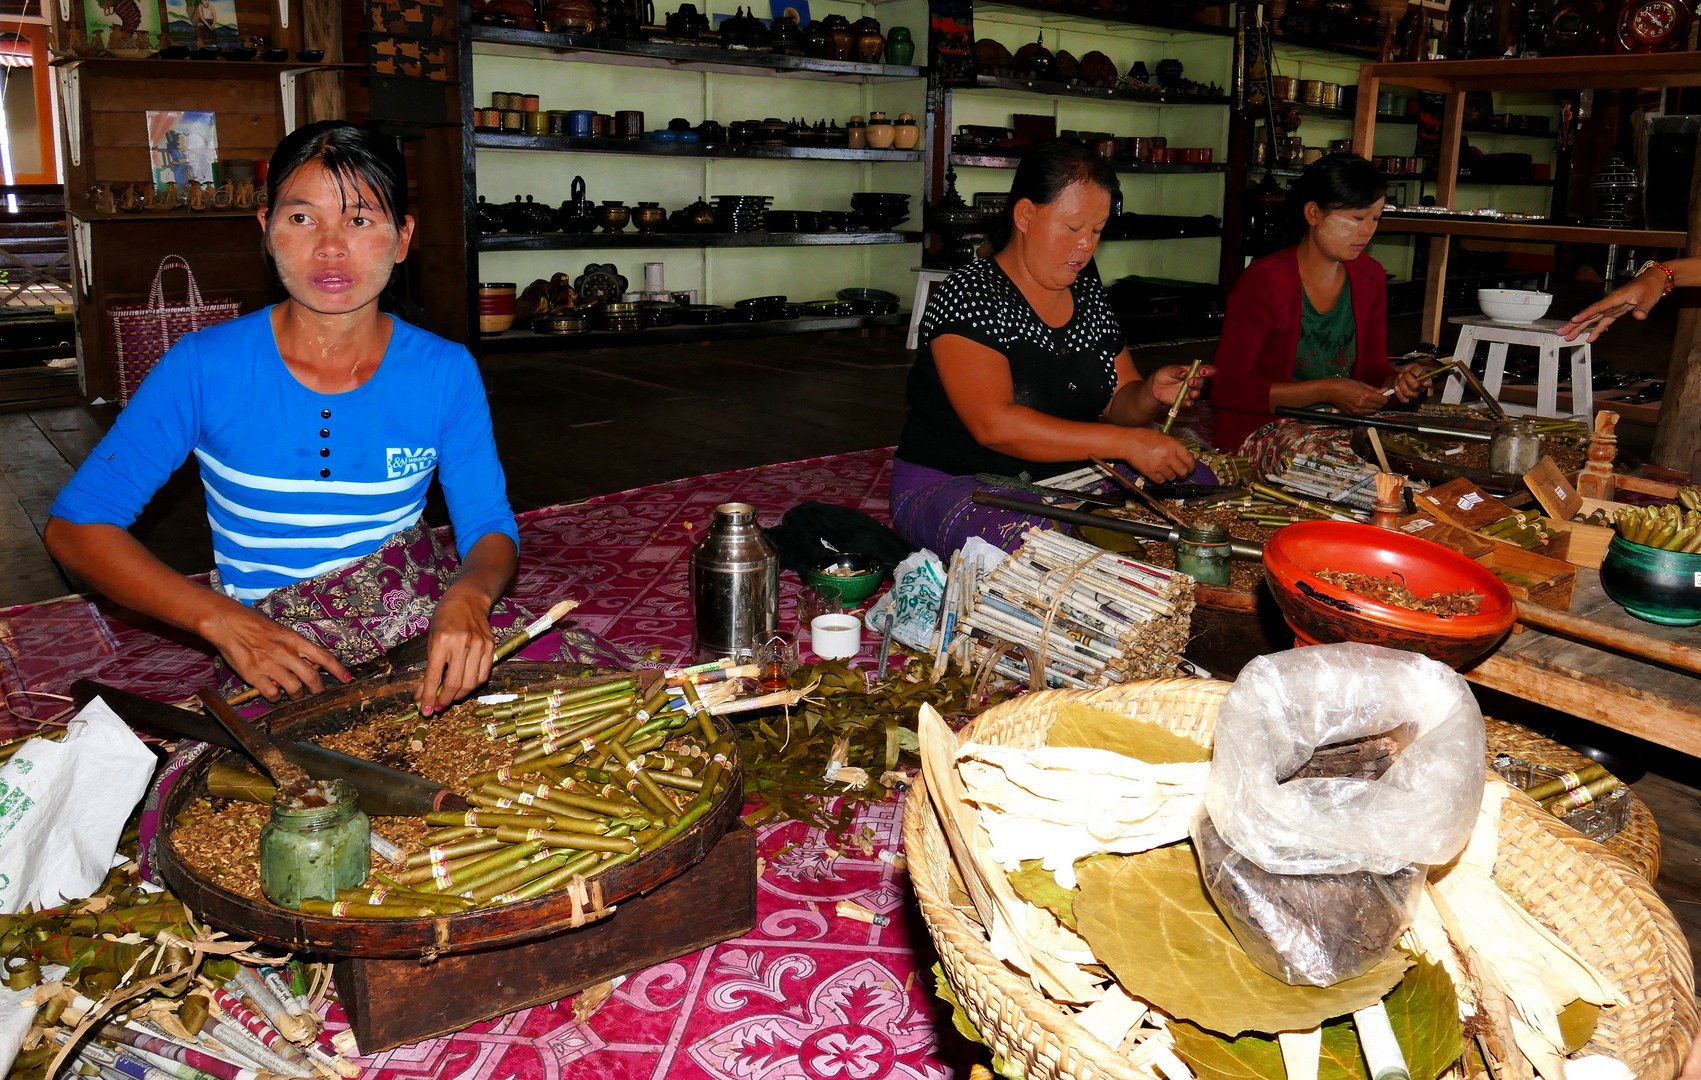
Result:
x=881 y=211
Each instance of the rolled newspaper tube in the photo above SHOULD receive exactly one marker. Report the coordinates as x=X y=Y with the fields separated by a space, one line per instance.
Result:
x=694 y=706
x=1566 y=782
x=344 y=909
x=156 y=1066
x=233 y=1037
x=1584 y=795
x=461 y=880
x=334 y=1063
x=574 y=840
x=1382 y=1054
x=125 y=1064
x=162 y=1048
x=234 y=1011
x=444 y=836
x=555 y=879
x=267 y=1004
x=280 y=989
x=518 y=876
x=387 y=850
x=484 y=819
x=474 y=845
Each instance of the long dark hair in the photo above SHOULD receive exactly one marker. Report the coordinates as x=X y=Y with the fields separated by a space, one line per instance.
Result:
x=1333 y=182
x=355 y=157
x=1047 y=169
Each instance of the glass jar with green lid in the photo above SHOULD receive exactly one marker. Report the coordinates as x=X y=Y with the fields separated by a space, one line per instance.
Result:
x=1204 y=555
x=309 y=852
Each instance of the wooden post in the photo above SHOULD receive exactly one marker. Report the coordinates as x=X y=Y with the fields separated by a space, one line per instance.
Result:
x=1677 y=438
x=322 y=91
x=1447 y=177
x=1364 y=121
x=1595 y=481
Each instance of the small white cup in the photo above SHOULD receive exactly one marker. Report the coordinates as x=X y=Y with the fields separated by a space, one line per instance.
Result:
x=836 y=637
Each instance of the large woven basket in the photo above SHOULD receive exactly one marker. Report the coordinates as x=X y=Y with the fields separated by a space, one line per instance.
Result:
x=1594 y=900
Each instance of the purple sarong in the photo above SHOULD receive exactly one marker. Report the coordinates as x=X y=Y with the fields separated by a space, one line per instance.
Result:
x=936 y=510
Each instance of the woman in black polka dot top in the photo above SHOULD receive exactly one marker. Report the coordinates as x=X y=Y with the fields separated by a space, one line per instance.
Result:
x=1022 y=366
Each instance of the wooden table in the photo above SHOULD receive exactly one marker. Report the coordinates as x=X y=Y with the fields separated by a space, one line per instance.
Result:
x=1647 y=700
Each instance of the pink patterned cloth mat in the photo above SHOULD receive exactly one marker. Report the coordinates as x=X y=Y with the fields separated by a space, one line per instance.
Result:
x=806 y=995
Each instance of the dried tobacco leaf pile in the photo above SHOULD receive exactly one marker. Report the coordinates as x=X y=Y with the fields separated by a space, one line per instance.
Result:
x=1390 y=590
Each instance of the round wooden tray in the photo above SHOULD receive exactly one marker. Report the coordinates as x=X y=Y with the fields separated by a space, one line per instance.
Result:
x=340 y=708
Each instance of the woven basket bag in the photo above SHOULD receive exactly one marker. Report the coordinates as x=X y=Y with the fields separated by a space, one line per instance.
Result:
x=1592 y=899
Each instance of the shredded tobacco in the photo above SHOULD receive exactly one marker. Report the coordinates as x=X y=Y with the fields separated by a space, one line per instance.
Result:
x=1393 y=591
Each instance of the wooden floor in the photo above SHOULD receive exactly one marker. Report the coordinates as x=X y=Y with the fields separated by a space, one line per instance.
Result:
x=590 y=423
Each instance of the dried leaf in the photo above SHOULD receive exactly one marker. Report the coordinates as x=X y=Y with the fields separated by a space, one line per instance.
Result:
x=1577 y=1024
x=1197 y=971
x=1422 y=1009
x=1039 y=887
x=1101 y=729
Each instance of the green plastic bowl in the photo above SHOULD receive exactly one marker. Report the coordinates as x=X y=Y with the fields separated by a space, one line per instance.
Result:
x=854 y=588
x=1653 y=584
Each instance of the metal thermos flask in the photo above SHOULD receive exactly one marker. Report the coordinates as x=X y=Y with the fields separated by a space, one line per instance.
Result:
x=735 y=585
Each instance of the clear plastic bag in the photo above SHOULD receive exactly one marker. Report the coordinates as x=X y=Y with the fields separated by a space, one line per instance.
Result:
x=1364 y=842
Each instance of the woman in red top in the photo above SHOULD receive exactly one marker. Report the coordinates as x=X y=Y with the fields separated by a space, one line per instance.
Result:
x=1307 y=326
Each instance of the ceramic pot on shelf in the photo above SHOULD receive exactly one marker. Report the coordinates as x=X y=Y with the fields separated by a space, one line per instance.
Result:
x=614 y=215
x=576 y=214
x=907 y=136
x=687 y=23
x=880 y=131
x=571 y=16
x=870 y=42
x=745 y=32
x=817 y=40
x=900 y=47
x=785 y=38
x=856 y=133
x=649 y=217
x=497 y=305
x=489 y=217
x=517 y=13
x=844 y=39
x=711 y=131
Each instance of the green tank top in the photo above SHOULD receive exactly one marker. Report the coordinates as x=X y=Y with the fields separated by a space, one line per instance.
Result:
x=1327 y=339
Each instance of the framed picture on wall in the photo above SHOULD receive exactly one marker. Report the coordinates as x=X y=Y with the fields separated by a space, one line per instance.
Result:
x=103 y=17
x=212 y=22
x=182 y=146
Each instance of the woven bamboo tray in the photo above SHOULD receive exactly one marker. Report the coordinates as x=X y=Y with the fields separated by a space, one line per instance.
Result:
x=1595 y=901
x=1638 y=843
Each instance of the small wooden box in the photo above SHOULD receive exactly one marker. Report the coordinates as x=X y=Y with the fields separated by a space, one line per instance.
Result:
x=1546 y=581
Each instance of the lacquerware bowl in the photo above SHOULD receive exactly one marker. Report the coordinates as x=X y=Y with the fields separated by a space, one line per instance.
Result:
x=1321 y=613
x=1517 y=307
x=1653 y=584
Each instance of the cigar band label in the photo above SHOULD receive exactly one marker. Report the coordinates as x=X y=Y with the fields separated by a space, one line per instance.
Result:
x=504 y=804
x=534 y=834
x=1570 y=780
x=505 y=898
x=633 y=766
x=1578 y=796
x=548 y=725
x=549 y=744
x=643 y=713
x=527 y=798
x=339 y=907
x=568 y=783
x=377 y=896
x=490 y=730
x=587 y=745
x=542 y=791
x=472 y=817
x=720 y=759
x=436 y=856
x=504 y=774
x=555 y=697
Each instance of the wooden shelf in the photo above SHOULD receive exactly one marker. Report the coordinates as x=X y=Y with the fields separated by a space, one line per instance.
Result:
x=192 y=69
x=1064 y=14
x=1551 y=234
x=244 y=216
x=526 y=341
x=1057 y=89
x=588 y=241
x=1545 y=73
x=502 y=40
x=1158 y=231
x=1350 y=52
x=492 y=140
x=988 y=159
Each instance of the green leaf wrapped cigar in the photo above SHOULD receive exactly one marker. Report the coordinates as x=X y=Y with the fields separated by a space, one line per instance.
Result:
x=534 y=722
x=575 y=841
x=477 y=844
x=571 y=744
x=443 y=836
x=648 y=792
x=567 y=818
x=518 y=876
x=1583 y=796
x=481 y=801
x=228 y=780
x=600 y=757
x=684 y=783
x=439 y=903
x=1566 y=781
x=656 y=703
x=532 y=811
x=563 y=698
x=420 y=874
x=347 y=909
x=645 y=745
x=551 y=881
x=694 y=705
x=459 y=881
x=606 y=807
x=480 y=818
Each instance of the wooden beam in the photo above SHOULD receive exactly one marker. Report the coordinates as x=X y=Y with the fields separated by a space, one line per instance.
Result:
x=1364 y=120
x=1613 y=705
x=1677 y=438
x=1447 y=180
x=1546 y=73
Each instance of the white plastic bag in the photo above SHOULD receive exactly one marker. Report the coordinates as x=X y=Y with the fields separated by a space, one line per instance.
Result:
x=911 y=605
x=1283 y=707
x=63 y=806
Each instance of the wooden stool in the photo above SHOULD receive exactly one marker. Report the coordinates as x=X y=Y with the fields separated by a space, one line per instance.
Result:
x=1543 y=334
x=925 y=279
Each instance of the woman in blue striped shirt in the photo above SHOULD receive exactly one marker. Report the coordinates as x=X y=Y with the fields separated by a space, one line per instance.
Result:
x=318 y=424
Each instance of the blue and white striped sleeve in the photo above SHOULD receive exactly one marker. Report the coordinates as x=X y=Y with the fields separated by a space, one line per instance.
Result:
x=474 y=486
